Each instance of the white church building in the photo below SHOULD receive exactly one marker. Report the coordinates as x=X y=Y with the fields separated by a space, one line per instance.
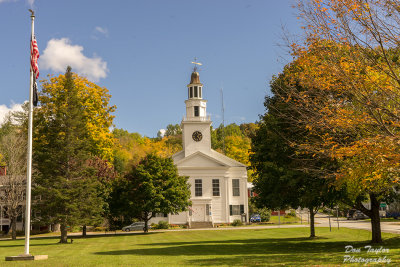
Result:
x=218 y=183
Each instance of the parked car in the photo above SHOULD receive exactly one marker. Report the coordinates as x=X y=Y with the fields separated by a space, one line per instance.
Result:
x=358 y=215
x=255 y=218
x=355 y=215
x=393 y=214
x=136 y=226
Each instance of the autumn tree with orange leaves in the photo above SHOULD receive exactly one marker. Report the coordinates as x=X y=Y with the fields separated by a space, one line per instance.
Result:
x=350 y=63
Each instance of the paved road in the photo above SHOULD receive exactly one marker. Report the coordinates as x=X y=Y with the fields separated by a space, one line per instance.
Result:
x=388 y=227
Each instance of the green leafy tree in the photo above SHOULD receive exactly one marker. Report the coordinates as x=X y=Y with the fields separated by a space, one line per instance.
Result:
x=283 y=177
x=153 y=186
x=65 y=184
x=173 y=130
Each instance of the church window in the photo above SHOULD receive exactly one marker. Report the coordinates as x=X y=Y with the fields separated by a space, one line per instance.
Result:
x=235 y=187
x=198 y=188
x=195 y=91
x=200 y=91
x=236 y=209
x=215 y=186
x=191 y=92
x=196 y=111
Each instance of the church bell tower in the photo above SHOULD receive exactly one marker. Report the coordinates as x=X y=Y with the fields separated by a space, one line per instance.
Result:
x=196 y=124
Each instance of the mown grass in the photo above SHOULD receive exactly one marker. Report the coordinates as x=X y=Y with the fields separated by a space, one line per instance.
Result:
x=254 y=247
x=285 y=220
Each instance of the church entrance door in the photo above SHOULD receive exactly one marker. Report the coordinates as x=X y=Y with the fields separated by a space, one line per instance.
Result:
x=198 y=213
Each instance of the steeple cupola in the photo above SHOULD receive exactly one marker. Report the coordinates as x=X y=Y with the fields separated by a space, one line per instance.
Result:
x=195 y=87
x=195 y=104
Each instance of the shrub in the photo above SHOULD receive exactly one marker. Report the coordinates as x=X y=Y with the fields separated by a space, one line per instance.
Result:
x=292 y=213
x=265 y=215
x=237 y=222
x=184 y=226
x=161 y=225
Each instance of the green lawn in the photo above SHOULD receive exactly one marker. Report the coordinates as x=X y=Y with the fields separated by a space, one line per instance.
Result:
x=275 y=220
x=202 y=248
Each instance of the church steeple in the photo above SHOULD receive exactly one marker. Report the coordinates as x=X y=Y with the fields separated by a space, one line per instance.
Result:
x=196 y=124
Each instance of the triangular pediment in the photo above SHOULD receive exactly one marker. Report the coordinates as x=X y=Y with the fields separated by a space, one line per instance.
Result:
x=199 y=159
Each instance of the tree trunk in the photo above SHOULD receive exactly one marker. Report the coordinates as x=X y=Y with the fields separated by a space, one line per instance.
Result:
x=84 y=231
x=146 y=221
x=14 y=228
x=375 y=220
x=312 y=226
x=146 y=226
x=64 y=234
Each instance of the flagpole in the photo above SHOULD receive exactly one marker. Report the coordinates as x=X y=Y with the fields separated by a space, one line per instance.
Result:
x=29 y=154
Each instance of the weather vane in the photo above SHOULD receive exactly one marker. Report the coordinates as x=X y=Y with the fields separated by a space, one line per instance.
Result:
x=196 y=64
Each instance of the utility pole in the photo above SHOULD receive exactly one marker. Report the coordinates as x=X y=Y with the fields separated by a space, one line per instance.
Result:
x=223 y=119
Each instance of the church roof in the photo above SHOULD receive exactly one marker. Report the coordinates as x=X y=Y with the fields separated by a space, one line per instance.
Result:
x=195 y=77
x=214 y=159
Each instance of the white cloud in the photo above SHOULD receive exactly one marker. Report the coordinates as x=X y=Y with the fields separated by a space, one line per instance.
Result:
x=4 y=110
x=98 y=32
x=60 y=53
x=101 y=30
x=162 y=132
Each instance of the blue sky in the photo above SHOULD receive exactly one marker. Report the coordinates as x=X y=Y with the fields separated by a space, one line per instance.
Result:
x=141 y=52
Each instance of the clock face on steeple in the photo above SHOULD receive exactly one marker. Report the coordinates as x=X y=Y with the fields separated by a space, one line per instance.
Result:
x=197 y=136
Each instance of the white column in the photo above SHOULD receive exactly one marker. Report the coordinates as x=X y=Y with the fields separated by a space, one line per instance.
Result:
x=228 y=218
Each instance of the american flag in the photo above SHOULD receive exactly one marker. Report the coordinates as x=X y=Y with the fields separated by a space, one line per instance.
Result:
x=34 y=68
x=34 y=57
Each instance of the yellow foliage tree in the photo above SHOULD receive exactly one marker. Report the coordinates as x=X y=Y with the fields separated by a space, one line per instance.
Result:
x=97 y=112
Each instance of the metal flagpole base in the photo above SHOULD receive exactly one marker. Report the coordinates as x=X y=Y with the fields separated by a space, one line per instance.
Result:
x=27 y=257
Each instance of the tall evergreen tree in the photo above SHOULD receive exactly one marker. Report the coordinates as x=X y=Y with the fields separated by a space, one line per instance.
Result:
x=64 y=183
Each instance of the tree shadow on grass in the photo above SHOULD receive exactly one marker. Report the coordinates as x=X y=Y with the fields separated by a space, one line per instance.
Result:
x=237 y=247
x=242 y=241
x=5 y=243
x=245 y=252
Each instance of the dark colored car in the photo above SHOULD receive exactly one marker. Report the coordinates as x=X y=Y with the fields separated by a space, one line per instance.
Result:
x=136 y=226
x=356 y=215
x=255 y=218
